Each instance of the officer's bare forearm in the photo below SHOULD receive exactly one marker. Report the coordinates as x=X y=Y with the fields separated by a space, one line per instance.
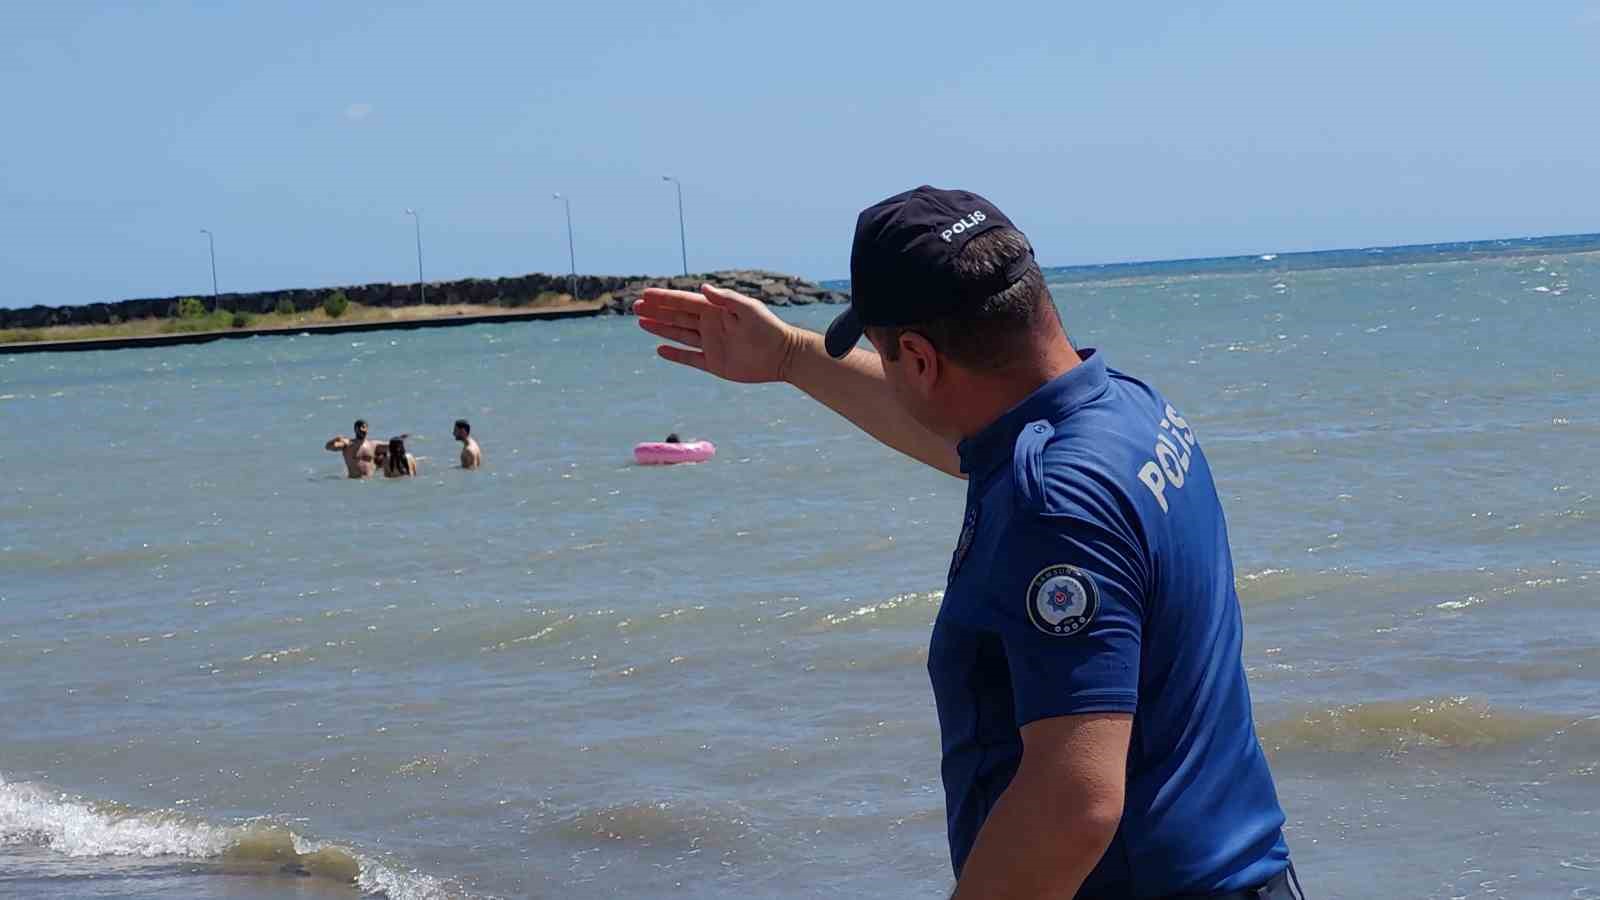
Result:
x=854 y=387
x=1058 y=815
x=1039 y=842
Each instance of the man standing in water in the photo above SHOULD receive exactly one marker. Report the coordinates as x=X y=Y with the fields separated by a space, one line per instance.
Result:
x=361 y=456
x=471 y=453
x=1086 y=659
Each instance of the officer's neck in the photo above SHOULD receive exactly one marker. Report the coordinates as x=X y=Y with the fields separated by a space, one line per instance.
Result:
x=980 y=398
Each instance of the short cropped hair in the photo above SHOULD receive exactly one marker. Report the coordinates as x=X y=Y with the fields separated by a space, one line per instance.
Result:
x=462 y=424
x=990 y=334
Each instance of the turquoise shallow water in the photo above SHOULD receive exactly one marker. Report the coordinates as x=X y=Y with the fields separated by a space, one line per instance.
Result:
x=568 y=676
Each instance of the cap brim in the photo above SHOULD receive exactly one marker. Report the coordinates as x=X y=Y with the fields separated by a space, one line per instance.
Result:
x=843 y=334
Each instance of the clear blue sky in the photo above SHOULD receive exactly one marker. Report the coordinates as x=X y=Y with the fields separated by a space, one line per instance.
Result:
x=300 y=131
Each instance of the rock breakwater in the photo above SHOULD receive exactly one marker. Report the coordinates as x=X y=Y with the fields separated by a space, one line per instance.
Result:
x=615 y=293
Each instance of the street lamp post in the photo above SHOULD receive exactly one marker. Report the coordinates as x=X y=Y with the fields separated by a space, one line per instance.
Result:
x=683 y=246
x=211 y=241
x=422 y=287
x=572 y=257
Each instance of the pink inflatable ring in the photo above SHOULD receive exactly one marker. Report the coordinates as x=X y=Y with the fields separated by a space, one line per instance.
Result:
x=653 y=453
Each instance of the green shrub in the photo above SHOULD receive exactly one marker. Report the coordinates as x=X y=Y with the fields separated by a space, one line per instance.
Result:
x=243 y=320
x=216 y=320
x=336 y=304
x=191 y=308
x=285 y=307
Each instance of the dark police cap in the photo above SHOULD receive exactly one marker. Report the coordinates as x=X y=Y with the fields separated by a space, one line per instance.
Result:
x=902 y=264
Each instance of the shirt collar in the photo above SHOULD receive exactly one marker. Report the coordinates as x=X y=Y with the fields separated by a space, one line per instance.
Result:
x=1054 y=401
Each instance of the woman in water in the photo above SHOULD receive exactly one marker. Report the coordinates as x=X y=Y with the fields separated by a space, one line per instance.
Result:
x=397 y=463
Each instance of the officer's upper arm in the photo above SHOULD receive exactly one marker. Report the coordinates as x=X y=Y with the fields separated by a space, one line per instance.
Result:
x=1068 y=603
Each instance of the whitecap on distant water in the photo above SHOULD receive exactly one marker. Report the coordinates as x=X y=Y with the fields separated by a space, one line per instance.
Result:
x=1268 y=257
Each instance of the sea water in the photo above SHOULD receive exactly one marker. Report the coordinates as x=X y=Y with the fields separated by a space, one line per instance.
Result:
x=228 y=671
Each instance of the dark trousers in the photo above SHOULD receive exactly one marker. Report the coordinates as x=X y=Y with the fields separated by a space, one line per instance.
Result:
x=1283 y=886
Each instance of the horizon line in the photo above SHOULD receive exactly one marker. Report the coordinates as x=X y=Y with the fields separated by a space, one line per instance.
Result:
x=1279 y=254
x=1267 y=256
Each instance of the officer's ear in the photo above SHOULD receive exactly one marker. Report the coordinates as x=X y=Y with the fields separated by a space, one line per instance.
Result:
x=923 y=363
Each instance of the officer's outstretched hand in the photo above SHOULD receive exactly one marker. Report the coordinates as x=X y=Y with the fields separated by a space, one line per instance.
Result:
x=722 y=332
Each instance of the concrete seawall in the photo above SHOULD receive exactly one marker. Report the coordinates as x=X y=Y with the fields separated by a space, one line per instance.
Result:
x=574 y=311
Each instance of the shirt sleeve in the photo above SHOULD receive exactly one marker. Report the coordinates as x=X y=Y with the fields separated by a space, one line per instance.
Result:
x=1067 y=601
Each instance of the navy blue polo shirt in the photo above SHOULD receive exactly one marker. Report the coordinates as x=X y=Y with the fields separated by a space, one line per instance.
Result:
x=1093 y=575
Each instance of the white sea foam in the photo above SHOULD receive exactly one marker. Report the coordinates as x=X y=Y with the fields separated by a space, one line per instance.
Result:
x=36 y=815
x=32 y=814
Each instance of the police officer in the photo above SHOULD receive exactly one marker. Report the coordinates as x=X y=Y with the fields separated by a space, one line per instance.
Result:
x=1095 y=719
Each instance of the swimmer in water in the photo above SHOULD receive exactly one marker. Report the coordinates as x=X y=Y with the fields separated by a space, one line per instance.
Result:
x=361 y=456
x=673 y=439
x=471 y=453
x=397 y=462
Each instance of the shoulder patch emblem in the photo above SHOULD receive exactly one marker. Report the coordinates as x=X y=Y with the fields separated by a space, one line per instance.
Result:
x=1062 y=600
x=969 y=530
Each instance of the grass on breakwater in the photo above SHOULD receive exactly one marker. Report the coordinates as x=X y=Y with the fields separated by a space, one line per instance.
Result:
x=223 y=320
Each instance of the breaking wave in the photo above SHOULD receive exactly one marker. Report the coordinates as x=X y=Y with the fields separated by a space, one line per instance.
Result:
x=1398 y=726
x=35 y=815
